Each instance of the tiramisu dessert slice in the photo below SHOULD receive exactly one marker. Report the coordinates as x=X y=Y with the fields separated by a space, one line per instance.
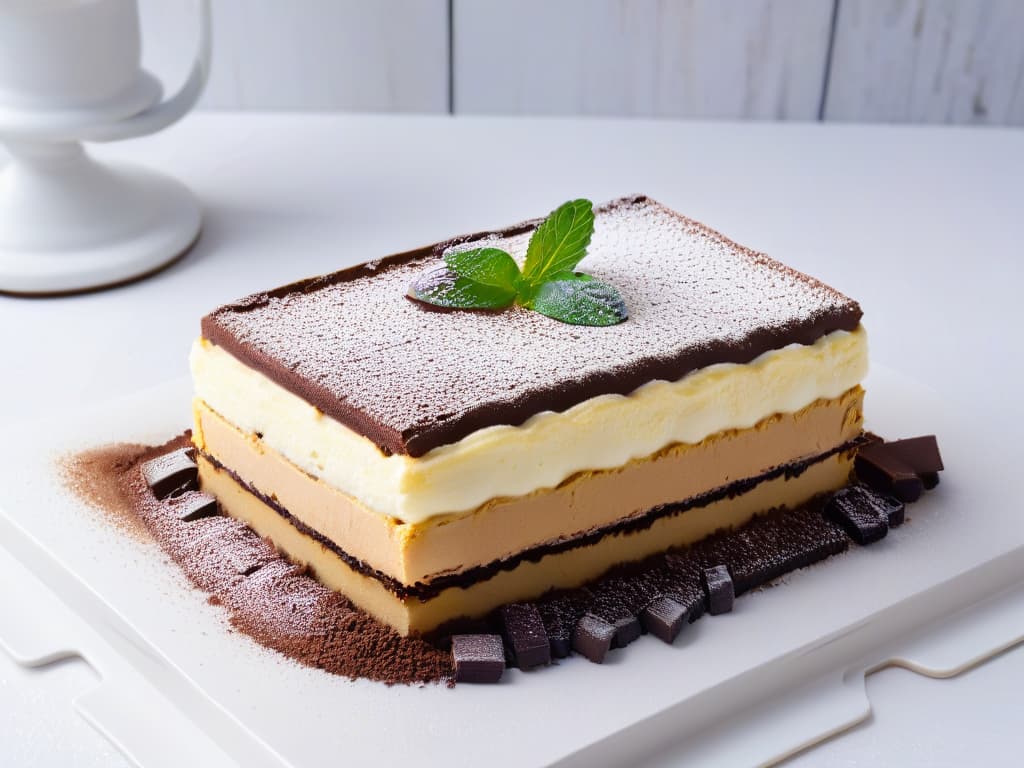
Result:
x=433 y=464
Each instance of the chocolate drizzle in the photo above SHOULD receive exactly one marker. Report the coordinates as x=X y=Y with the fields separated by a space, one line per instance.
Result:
x=351 y=344
x=467 y=578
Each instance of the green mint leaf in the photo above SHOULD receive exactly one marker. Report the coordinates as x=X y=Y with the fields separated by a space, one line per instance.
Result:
x=580 y=302
x=569 y=275
x=528 y=292
x=560 y=241
x=443 y=288
x=489 y=266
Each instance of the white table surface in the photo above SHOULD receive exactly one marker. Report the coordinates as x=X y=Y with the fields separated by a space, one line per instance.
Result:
x=924 y=225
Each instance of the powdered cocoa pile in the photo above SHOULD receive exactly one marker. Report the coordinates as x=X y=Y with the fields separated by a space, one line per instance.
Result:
x=267 y=598
x=95 y=475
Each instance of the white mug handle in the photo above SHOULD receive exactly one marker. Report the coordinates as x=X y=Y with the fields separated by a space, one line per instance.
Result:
x=171 y=110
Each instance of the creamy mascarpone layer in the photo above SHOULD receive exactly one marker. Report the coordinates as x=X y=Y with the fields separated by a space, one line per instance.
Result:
x=600 y=433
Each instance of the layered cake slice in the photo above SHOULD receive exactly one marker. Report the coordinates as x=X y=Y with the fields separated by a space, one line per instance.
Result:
x=434 y=465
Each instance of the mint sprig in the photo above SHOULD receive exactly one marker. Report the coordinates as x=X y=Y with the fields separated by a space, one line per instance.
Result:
x=489 y=278
x=560 y=242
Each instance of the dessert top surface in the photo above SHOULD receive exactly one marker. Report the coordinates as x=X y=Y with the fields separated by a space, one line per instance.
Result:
x=411 y=377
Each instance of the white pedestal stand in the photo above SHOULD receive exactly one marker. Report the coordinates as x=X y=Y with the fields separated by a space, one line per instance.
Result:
x=69 y=223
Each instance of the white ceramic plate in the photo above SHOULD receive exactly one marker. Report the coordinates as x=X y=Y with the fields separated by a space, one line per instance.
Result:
x=802 y=647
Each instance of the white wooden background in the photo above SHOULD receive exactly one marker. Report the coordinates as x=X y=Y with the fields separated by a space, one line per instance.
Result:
x=943 y=61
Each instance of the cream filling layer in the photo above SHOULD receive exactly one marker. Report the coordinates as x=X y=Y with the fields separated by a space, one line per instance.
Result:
x=600 y=433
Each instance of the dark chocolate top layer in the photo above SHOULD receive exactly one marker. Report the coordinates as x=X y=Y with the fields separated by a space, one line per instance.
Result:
x=411 y=378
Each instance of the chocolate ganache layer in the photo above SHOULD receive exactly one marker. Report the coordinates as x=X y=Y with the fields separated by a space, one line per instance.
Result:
x=411 y=379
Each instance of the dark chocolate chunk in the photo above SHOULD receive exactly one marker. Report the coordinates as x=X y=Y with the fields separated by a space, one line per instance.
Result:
x=194 y=505
x=168 y=473
x=888 y=476
x=192 y=484
x=921 y=454
x=664 y=617
x=560 y=646
x=527 y=639
x=903 y=468
x=593 y=637
x=890 y=507
x=617 y=600
x=627 y=629
x=478 y=658
x=718 y=584
x=854 y=512
x=684 y=584
x=693 y=599
x=560 y=613
x=907 y=488
x=885 y=506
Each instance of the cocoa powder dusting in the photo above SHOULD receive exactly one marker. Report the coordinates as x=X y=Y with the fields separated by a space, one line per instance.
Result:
x=268 y=598
x=95 y=476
